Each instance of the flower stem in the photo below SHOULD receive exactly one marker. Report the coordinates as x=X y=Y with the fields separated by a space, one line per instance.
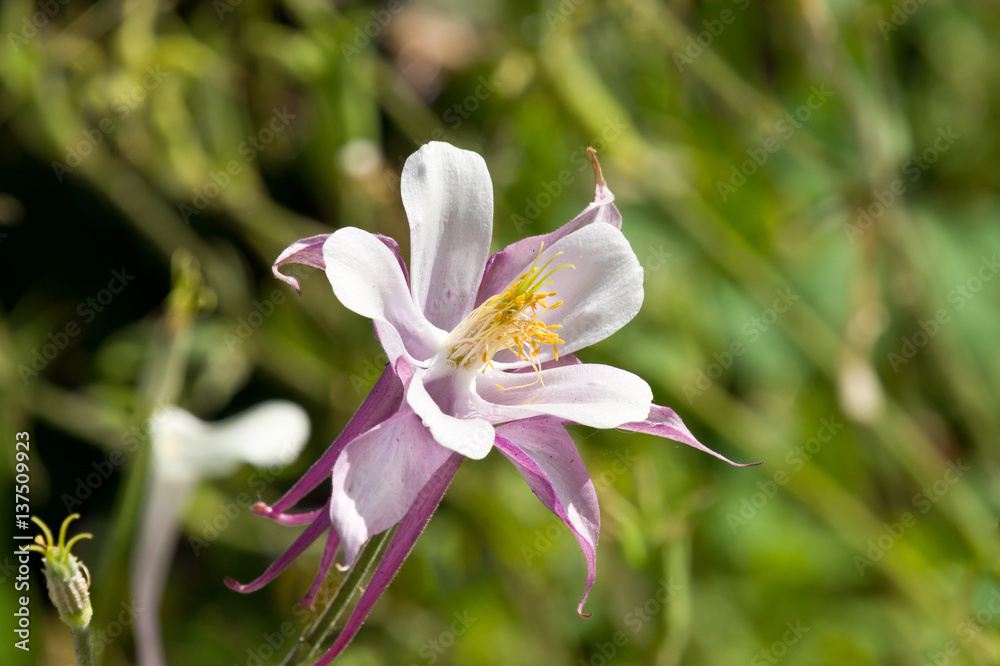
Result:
x=81 y=645
x=161 y=384
x=369 y=556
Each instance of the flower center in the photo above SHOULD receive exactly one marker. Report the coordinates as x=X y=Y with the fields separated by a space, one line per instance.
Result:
x=510 y=321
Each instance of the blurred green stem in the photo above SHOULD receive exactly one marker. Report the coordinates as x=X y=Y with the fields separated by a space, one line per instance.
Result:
x=680 y=608
x=162 y=384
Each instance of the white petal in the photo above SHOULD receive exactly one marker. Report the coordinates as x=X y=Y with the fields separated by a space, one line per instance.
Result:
x=504 y=266
x=448 y=197
x=173 y=434
x=664 y=422
x=600 y=294
x=164 y=503
x=187 y=448
x=462 y=432
x=378 y=476
x=600 y=396
x=271 y=433
x=366 y=278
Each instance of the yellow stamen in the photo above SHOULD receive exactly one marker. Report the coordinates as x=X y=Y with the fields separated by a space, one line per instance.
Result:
x=510 y=321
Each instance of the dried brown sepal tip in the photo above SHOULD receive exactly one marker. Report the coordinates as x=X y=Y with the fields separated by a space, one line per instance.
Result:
x=597 y=167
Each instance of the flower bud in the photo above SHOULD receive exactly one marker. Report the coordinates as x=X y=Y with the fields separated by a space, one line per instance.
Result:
x=66 y=576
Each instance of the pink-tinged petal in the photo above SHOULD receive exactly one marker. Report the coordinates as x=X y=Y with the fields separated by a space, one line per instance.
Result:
x=298 y=547
x=367 y=279
x=382 y=402
x=664 y=422
x=448 y=197
x=601 y=294
x=600 y=289
x=599 y=396
x=466 y=434
x=392 y=342
x=286 y=519
x=394 y=247
x=545 y=455
x=308 y=252
x=504 y=266
x=410 y=528
x=378 y=476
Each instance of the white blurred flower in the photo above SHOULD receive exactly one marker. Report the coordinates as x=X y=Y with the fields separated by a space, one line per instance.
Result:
x=186 y=450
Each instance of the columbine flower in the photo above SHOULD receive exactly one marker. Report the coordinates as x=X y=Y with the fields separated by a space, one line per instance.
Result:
x=186 y=450
x=481 y=356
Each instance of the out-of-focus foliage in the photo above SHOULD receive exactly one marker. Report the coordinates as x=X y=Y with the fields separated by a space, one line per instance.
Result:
x=811 y=188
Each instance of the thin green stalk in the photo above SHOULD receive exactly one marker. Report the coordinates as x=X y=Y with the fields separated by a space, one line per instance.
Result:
x=371 y=554
x=161 y=384
x=81 y=645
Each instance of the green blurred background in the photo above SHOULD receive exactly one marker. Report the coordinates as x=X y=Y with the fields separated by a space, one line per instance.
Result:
x=811 y=187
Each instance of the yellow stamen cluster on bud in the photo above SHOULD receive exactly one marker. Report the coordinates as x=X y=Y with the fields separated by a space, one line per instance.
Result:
x=510 y=321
